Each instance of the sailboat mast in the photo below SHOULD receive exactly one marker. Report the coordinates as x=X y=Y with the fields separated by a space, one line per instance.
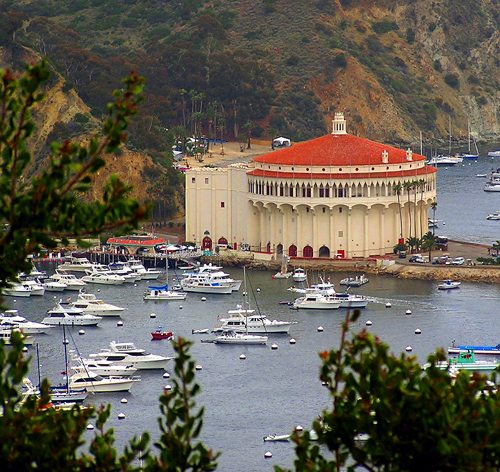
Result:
x=65 y=343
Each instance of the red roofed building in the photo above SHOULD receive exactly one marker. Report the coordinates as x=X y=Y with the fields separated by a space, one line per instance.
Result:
x=337 y=195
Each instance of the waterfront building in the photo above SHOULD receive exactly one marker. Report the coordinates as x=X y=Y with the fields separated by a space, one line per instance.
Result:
x=338 y=195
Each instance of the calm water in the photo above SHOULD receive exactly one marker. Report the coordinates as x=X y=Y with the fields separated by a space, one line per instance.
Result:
x=463 y=204
x=271 y=391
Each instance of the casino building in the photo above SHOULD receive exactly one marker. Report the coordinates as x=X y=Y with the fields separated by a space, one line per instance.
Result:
x=337 y=196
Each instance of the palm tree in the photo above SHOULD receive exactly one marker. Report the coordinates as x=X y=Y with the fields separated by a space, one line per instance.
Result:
x=422 y=183
x=429 y=243
x=413 y=242
x=434 y=206
x=408 y=186
x=397 y=190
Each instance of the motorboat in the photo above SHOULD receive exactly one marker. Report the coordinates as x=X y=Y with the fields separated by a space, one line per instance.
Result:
x=449 y=285
x=89 y=303
x=102 y=276
x=71 y=281
x=160 y=333
x=231 y=337
x=10 y=319
x=492 y=186
x=205 y=286
x=356 y=281
x=299 y=275
x=68 y=316
x=34 y=284
x=494 y=153
x=17 y=289
x=488 y=350
x=97 y=384
x=6 y=333
x=102 y=367
x=442 y=160
x=211 y=275
x=163 y=293
x=247 y=321
x=277 y=437
x=76 y=264
x=494 y=216
x=127 y=354
x=58 y=393
x=282 y=275
x=119 y=268
x=146 y=274
x=314 y=300
x=54 y=286
x=466 y=361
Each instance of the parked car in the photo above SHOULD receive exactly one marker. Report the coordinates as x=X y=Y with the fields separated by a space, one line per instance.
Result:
x=458 y=261
x=417 y=258
x=402 y=254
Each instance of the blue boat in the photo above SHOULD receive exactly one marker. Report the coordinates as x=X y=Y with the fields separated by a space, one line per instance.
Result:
x=475 y=349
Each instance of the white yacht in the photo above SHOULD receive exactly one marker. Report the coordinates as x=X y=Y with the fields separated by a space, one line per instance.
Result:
x=494 y=153
x=119 y=268
x=70 y=280
x=316 y=301
x=494 y=216
x=36 y=286
x=128 y=354
x=5 y=334
x=146 y=274
x=89 y=303
x=299 y=275
x=441 y=160
x=54 y=286
x=231 y=337
x=10 y=319
x=96 y=383
x=65 y=315
x=347 y=300
x=76 y=264
x=101 y=367
x=209 y=279
x=163 y=293
x=247 y=321
x=17 y=289
x=102 y=276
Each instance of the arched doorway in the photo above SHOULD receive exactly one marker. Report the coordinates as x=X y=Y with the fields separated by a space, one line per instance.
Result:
x=292 y=250
x=279 y=249
x=222 y=242
x=324 y=252
x=307 y=251
x=268 y=247
x=206 y=244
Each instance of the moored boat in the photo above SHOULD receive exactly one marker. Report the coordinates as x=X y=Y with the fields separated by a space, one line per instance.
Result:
x=163 y=293
x=449 y=285
x=316 y=301
x=488 y=350
x=356 y=281
x=299 y=275
x=466 y=361
x=160 y=333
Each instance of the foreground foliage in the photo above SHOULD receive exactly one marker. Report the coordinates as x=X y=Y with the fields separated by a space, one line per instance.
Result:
x=414 y=420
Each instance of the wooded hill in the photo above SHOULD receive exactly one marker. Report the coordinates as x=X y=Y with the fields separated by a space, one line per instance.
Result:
x=240 y=68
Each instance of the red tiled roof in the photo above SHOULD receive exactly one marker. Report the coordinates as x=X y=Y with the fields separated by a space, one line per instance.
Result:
x=336 y=150
x=136 y=241
x=426 y=170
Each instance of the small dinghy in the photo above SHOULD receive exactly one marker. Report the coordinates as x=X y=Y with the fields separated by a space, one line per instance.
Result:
x=160 y=333
x=277 y=437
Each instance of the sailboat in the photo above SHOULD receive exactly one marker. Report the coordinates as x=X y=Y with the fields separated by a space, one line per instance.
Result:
x=469 y=154
x=230 y=336
x=442 y=160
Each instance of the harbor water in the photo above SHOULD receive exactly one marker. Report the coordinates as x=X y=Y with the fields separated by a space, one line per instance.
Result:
x=272 y=390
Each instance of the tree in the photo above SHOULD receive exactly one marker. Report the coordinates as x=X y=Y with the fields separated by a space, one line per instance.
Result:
x=422 y=183
x=413 y=243
x=48 y=209
x=248 y=127
x=408 y=186
x=397 y=190
x=429 y=243
x=388 y=413
x=434 y=206
x=35 y=212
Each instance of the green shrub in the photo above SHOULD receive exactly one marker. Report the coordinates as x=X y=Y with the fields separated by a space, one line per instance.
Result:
x=385 y=26
x=452 y=81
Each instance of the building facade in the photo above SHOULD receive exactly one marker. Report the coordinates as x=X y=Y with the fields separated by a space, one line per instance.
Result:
x=334 y=196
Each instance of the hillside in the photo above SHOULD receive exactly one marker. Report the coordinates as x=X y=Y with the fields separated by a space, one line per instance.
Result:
x=240 y=68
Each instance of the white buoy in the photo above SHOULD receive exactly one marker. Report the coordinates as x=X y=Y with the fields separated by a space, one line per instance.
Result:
x=203 y=299
x=25 y=349
x=120 y=323
x=124 y=400
x=418 y=331
x=243 y=357
x=320 y=329
x=15 y=300
x=81 y=332
x=65 y=341
x=245 y=294
x=444 y=223
x=152 y=315
x=324 y=383
x=388 y=305
x=299 y=428
x=135 y=285
x=121 y=416
x=274 y=346
x=292 y=341
x=409 y=349
x=98 y=289
x=258 y=290
x=167 y=388
x=408 y=312
x=180 y=307
x=166 y=375
x=268 y=455
x=90 y=426
x=198 y=367
x=368 y=323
